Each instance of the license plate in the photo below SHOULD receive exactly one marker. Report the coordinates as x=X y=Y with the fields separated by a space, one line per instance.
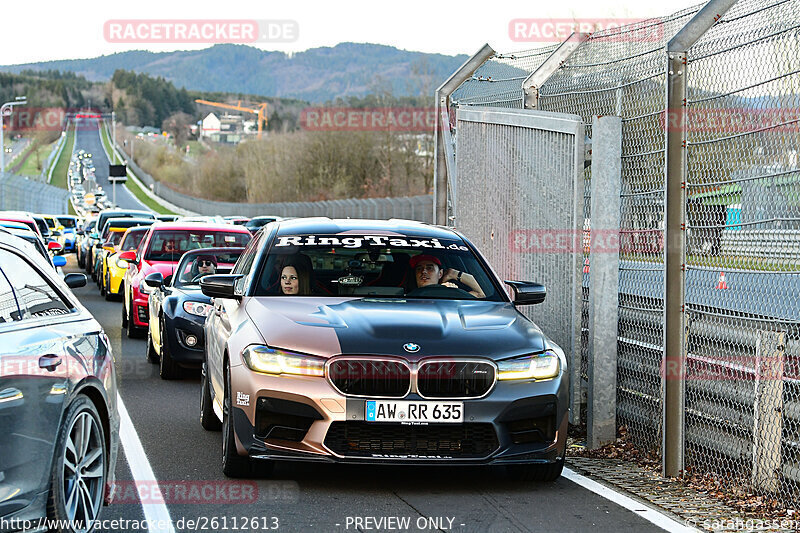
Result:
x=436 y=412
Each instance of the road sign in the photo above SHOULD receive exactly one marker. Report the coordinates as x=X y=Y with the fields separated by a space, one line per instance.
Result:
x=117 y=173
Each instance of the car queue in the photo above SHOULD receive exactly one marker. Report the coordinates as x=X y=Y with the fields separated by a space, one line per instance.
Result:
x=353 y=341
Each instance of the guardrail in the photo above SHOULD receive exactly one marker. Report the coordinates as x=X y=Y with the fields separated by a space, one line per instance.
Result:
x=52 y=159
x=767 y=244
x=409 y=207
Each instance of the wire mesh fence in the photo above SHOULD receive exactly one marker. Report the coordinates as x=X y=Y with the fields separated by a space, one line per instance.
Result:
x=742 y=130
x=22 y=194
x=741 y=122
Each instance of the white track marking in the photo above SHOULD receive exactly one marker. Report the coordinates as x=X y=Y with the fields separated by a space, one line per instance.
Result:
x=644 y=510
x=141 y=470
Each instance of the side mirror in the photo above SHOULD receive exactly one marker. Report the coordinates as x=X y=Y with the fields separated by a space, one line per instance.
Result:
x=220 y=286
x=54 y=247
x=74 y=280
x=128 y=257
x=94 y=235
x=59 y=261
x=155 y=279
x=527 y=292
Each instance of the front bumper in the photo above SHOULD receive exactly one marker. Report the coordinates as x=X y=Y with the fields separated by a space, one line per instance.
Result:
x=116 y=276
x=178 y=331
x=305 y=418
x=139 y=303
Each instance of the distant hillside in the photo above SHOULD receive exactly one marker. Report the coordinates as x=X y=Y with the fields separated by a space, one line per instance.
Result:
x=316 y=75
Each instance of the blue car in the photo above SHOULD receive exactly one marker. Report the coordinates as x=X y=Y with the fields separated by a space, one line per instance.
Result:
x=68 y=234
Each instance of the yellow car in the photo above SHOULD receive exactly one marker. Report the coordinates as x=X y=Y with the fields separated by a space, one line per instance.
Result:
x=113 y=268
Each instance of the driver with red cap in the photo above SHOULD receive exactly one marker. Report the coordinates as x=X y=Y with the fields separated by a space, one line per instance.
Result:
x=428 y=271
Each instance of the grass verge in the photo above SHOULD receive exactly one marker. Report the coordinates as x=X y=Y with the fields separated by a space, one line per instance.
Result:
x=29 y=167
x=62 y=165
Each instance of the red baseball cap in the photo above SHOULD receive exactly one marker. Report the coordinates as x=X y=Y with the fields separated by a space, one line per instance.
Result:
x=417 y=259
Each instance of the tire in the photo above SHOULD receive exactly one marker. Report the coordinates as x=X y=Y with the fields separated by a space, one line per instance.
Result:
x=167 y=368
x=101 y=283
x=107 y=285
x=233 y=464
x=208 y=418
x=150 y=354
x=67 y=484
x=539 y=473
x=88 y=261
x=124 y=313
x=132 y=331
x=81 y=260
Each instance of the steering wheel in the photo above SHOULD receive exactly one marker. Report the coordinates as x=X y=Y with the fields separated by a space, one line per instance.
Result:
x=440 y=291
x=198 y=277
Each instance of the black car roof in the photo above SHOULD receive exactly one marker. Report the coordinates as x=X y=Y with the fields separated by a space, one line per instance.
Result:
x=328 y=226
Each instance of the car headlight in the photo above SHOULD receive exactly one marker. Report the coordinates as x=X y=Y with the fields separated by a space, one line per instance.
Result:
x=197 y=308
x=144 y=288
x=539 y=366
x=274 y=361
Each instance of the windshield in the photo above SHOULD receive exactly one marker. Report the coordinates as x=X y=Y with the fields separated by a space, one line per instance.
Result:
x=132 y=240
x=42 y=226
x=196 y=265
x=373 y=265
x=67 y=222
x=115 y=237
x=170 y=245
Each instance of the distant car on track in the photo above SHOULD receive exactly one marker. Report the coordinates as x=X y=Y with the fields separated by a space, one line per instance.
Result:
x=256 y=223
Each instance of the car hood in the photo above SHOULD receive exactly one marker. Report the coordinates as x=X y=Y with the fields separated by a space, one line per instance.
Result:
x=165 y=267
x=383 y=326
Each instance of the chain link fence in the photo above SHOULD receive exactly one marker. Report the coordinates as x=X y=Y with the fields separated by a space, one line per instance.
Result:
x=741 y=122
x=22 y=194
x=742 y=130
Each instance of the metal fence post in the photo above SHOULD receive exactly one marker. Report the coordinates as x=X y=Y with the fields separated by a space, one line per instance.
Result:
x=440 y=176
x=604 y=281
x=768 y=410
x=538 y=77
x=674 y=359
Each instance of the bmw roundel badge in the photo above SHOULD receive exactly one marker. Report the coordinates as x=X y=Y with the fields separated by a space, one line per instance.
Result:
x=411 y=347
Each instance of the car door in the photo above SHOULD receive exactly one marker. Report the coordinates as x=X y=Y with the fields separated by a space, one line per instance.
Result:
x=34 y=378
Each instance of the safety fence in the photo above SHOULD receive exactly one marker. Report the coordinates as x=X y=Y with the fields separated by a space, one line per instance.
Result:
x=732 y=67
x=22 y=194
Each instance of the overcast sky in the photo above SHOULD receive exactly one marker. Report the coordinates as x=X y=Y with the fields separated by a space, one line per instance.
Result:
x=36 y=31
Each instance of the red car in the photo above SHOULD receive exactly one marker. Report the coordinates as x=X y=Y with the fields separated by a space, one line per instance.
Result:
x=160 y=251
x=23 y=218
